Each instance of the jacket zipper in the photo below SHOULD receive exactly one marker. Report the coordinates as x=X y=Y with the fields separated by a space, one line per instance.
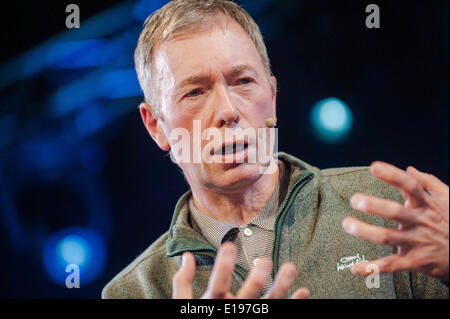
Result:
x=240 y=270
x=296 y=187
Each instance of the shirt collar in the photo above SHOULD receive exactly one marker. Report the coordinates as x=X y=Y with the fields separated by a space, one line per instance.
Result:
x=211 y=228
x=214 y=230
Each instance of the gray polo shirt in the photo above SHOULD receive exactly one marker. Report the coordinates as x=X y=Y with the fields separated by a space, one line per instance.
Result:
x=253 y=240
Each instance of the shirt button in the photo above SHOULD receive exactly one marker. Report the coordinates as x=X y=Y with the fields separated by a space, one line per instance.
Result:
x=248 y=232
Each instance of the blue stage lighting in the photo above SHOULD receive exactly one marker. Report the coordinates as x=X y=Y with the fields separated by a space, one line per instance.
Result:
x=82 y=246
x=331 y=120
x=144 y=8
x=90 y=119
x=48 y=153
x=73 y=249
x=75 y=94
x=119 y=84
x=84 y=53
x=104 y=24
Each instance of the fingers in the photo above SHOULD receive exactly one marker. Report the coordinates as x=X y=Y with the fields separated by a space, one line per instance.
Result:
x=374 y=234
x=183 y=278
x=387 y=264
x=283 y=281
x=413 y=192
x=384 y=208
x=256 y=279
x=301 y=293
x=430 y=182
x=222 y=273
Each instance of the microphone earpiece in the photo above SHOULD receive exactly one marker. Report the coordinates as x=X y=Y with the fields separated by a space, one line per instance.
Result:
x=270 y=122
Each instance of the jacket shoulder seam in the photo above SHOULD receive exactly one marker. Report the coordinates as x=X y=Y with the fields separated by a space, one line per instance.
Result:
x=358 y=169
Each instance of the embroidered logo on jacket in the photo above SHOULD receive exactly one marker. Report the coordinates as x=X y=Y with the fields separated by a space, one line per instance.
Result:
x=349 y=261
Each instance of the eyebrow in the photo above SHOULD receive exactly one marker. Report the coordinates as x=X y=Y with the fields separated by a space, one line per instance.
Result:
x=238 y=69
x=201 y=77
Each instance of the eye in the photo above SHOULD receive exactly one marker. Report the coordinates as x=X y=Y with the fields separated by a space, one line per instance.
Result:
x=193 y=93
x=245 y=81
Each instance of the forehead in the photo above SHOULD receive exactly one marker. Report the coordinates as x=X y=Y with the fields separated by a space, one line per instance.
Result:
x=219 y=45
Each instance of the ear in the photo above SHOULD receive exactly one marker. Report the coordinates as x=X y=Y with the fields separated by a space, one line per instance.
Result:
x=153 y=126
x=274 y=98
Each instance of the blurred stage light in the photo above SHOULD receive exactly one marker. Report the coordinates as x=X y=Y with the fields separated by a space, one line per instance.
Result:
x=75 y=245
x=90 y=119
x=73 y=249
x=74 y=95
x=48 y=153
x=144 y=8
x=104 y=24
x=331 y=120
x=78 y=54
x=119 y=84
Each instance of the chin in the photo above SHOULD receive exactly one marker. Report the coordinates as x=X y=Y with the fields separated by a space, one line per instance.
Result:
x=233 y=176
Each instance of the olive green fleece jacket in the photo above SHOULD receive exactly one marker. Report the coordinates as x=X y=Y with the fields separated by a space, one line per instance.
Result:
x=308 y=232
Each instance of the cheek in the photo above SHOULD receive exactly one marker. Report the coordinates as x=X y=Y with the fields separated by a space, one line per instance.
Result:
x=176 y=117
x=266 y=100
x=260 y=106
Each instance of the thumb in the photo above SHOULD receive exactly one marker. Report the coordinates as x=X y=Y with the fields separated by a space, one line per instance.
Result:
x=181 y=285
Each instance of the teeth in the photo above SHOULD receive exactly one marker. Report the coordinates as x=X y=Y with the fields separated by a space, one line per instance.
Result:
x=228 y=149
x=231 y=148
x=239 y=147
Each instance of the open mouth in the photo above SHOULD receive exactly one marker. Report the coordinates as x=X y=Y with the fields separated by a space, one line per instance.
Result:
x=230 y=148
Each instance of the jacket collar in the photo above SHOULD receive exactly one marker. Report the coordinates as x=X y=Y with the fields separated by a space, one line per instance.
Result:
x=182 y=237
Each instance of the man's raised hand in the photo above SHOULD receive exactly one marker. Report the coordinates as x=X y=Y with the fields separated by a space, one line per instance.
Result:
x=222 y=274
x=422 y=236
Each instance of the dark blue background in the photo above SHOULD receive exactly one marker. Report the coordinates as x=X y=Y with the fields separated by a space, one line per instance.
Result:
x=83 y=157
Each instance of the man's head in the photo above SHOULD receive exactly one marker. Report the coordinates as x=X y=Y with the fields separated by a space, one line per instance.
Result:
x=180 y=17
x=205 y=60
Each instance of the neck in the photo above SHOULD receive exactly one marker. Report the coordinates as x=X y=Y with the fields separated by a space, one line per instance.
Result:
x=237 y=208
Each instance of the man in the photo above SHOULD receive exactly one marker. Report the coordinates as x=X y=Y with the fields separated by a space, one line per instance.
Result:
x=267 y=228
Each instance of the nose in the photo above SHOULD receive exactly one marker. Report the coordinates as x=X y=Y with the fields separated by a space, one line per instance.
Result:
x=227 y=112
